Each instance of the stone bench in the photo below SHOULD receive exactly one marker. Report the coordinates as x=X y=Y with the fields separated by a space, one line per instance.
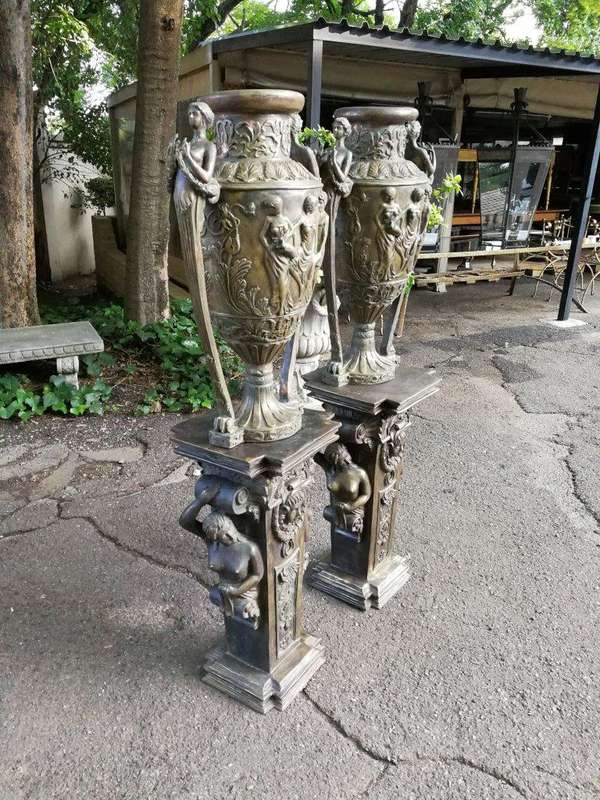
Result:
x=64 y=342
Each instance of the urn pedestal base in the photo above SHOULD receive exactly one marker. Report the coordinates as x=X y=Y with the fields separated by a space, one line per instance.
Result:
x=364 y=472
x=263 y=690
x=255 y=534
x=375 y=593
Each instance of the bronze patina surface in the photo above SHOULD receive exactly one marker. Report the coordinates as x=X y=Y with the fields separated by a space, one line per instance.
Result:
x=363 y=472
x=255 y=535
x=379 y=228
x=262 y=243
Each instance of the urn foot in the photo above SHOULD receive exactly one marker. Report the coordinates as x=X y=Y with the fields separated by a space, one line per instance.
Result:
x=261 y=414
x=263 y=690
x=388 y=579
x=225 y=433
x=333 y=373
x=366 y=365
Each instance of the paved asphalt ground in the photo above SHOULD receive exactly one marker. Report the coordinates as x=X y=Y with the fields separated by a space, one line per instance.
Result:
x=479 y=681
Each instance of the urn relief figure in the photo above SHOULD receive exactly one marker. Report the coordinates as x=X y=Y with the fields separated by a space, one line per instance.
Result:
x=379 y=226
x=261 y=246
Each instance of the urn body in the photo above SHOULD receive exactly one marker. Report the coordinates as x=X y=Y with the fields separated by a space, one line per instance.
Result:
x=379 y=230
x=260 y=244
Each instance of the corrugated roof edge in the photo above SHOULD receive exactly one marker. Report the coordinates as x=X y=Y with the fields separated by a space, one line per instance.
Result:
x=343 y=26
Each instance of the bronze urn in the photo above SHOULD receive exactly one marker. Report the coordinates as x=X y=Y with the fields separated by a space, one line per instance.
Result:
x=379 y=226
x=262 y=242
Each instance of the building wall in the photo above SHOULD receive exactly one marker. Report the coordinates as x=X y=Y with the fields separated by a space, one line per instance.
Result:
x=69 y=232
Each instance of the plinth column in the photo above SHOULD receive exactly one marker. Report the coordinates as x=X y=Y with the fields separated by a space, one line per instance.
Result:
x=255 y=532
x=364 y=472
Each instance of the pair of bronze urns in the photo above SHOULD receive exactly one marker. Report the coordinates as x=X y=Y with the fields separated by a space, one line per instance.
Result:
x=259 y=214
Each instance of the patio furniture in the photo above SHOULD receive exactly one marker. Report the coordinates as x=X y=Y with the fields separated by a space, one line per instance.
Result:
x=65 y=342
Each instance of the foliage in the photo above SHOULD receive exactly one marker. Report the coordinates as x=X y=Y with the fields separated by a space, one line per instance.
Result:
x=18 y=397
x=171 y=348
x=64 y=71
x=323 y=136
x=572 y=24
x=469 y=18
x=169 y=355
x=99 y=194
x=451 y=184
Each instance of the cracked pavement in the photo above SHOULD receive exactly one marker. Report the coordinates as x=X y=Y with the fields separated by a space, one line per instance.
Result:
x=478 y=681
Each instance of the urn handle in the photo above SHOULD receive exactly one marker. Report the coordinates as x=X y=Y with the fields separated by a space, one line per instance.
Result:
x=194 y=184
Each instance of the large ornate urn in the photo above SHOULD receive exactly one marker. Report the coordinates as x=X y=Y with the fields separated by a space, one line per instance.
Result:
x=261 y=246
x=379 y=226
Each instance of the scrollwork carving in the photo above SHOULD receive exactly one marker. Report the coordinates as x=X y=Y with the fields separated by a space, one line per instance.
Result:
x=384 y=143
x=392 y=437
x=290 y=513
x=266 y=137
x=286 y=578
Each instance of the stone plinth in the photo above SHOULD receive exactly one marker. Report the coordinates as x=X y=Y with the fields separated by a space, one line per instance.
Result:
x=255 y=536
x=363 y=472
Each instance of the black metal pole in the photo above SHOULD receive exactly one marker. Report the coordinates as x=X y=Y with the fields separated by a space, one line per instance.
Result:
x=581 y=216
x=315 y=77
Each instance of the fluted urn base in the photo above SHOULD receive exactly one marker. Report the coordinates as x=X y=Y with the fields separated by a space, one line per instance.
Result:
x=261 y=414
x=366 y=365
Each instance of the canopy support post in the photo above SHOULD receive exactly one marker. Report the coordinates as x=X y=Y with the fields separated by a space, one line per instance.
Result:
x=315 y=80
x=581 y=216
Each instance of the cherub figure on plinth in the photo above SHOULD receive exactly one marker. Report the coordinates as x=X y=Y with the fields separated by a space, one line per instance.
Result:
x=239 y=564
x=349 y=489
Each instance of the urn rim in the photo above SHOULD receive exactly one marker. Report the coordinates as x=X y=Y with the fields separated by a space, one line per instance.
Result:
x=255 y=101
x=388 y=115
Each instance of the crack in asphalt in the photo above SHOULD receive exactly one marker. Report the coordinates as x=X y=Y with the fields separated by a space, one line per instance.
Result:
x=491 y=772
x=388 y=761
x=367 y=792
x=132 y=551
x=575 y=488
x=14 y=534
x=579 y=786
x=337 y=725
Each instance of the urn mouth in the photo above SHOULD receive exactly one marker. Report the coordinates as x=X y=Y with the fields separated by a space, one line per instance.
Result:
x=256 y=101
x=384 y=115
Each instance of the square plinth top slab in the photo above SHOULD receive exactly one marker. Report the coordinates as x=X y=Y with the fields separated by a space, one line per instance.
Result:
x=48 y=341
x=254 y=458
x=410 y=386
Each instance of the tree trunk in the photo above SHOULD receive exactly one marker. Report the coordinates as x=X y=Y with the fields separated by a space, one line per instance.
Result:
x=42 y=256
x=18 y=298
x=379 y=13
x=408 y=13
x=147 y=298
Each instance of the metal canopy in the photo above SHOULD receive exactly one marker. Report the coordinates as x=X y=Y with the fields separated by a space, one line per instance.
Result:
x=472 y=60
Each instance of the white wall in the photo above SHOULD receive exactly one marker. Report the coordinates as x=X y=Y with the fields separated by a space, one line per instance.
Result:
x=69 y=232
